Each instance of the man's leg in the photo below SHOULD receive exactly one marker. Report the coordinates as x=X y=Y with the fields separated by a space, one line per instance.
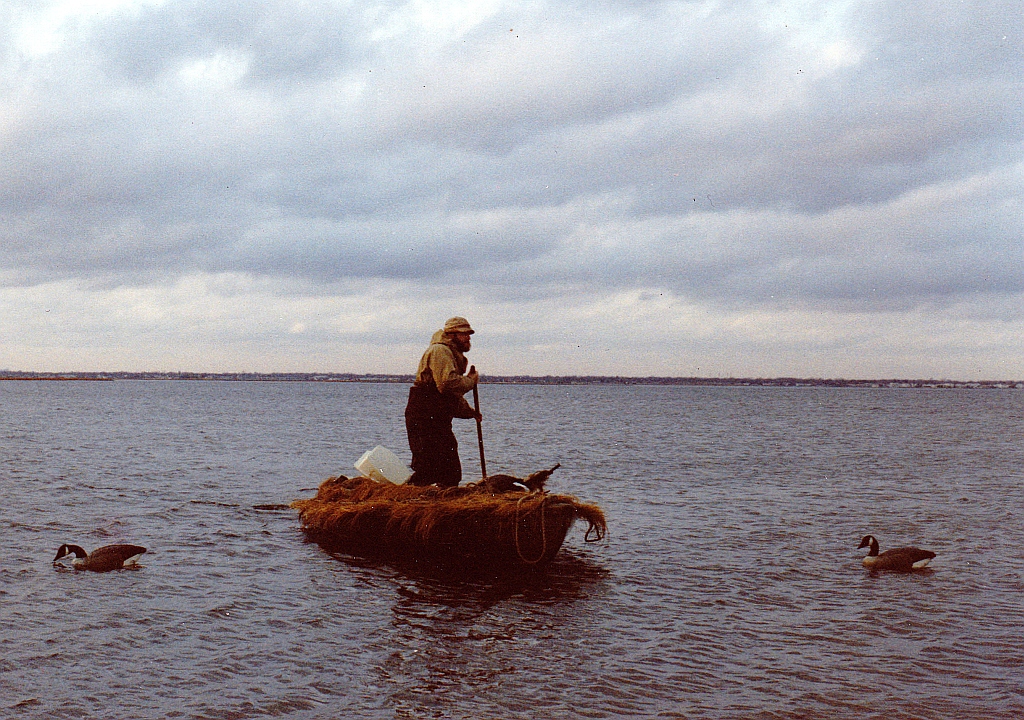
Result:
x=449 y=467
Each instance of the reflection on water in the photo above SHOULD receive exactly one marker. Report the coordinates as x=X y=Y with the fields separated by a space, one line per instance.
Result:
x=455 y=636
x=565 y=579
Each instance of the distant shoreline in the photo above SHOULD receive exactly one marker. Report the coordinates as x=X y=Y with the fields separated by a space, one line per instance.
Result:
x=520 y=379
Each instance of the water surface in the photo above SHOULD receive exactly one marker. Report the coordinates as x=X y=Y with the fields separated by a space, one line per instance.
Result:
x=729 y=584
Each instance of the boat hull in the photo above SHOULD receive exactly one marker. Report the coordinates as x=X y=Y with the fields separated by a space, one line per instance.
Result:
x=465 y=525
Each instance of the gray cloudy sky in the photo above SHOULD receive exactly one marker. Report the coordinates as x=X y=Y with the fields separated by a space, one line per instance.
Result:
x=731 y=188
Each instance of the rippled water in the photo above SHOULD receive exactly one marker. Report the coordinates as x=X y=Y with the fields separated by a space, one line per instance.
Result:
x=729 y=584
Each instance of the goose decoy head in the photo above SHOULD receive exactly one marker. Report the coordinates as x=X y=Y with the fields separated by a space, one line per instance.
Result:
x=535 y=481
x=868 y=541
x=66 y=549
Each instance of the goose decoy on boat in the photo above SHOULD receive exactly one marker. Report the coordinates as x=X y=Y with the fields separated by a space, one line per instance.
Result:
x=102 y=559
x=534 y=482
x=904 y=559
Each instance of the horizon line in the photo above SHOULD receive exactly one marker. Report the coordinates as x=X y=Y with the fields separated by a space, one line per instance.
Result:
x=501 y=379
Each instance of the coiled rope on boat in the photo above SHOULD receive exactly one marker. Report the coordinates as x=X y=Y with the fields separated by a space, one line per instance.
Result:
x=595 y=526
x=543 y=531
x=597 y=530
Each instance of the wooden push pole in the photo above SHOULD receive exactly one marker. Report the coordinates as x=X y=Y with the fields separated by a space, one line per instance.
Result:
x=479 y=432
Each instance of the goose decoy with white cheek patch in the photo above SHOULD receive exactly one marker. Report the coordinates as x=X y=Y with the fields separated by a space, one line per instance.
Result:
x=102 y=559
x=904 y=559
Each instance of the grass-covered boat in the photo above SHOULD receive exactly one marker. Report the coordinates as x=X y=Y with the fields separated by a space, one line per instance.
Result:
x=502 y=520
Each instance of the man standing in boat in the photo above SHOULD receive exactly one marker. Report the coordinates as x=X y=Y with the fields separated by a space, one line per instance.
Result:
x=435 y=398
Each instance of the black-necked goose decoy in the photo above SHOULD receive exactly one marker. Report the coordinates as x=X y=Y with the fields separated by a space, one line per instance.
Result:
x=102 y=559
x=904 y=559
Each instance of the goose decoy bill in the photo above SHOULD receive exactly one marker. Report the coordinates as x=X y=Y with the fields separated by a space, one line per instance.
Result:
x=102 y=559
x=904 y=559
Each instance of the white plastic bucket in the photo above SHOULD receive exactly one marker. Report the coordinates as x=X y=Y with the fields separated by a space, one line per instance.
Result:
x=381 y=464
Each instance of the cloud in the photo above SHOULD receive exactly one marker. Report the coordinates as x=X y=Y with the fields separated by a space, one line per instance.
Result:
x=235 y=323
x=839 y=158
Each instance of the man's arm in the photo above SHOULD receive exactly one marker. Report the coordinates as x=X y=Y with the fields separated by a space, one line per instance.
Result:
x=446 y=374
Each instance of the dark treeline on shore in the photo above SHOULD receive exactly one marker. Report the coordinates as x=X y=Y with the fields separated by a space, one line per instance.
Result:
x=518 y=379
